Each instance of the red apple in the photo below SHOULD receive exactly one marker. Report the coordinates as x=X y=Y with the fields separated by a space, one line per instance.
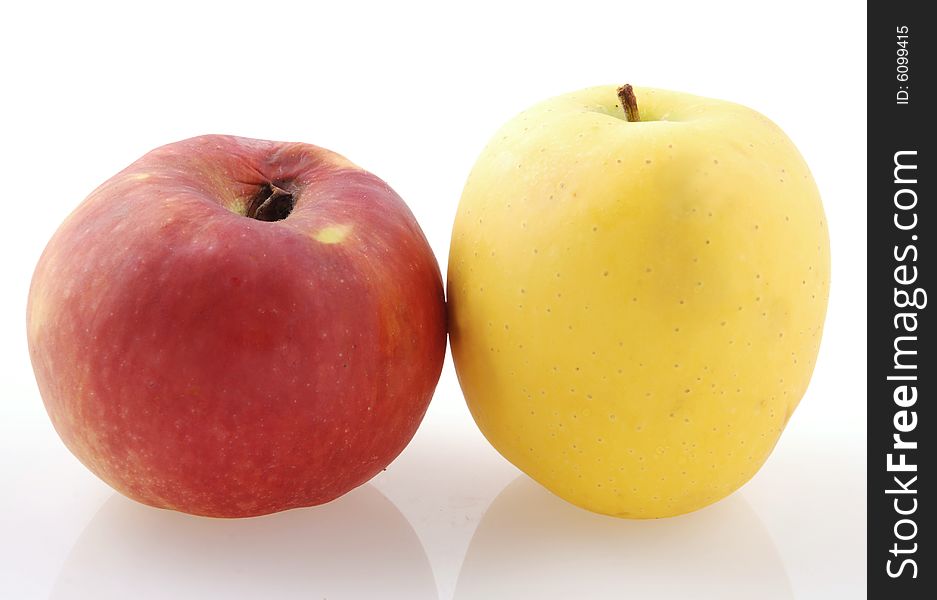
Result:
x=233 y=327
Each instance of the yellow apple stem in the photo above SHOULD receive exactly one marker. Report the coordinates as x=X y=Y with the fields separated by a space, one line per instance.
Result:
x=629 y=103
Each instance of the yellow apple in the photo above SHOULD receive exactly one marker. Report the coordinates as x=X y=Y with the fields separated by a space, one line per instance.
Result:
x=636 y=300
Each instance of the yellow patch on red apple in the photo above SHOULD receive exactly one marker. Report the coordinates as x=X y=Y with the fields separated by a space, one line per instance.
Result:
x=333 y=234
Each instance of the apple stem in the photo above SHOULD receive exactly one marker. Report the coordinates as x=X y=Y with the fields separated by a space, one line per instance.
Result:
x=629 y=103
x=271 y=203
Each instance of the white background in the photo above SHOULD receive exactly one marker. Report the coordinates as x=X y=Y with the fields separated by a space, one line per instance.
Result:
x=412 y=92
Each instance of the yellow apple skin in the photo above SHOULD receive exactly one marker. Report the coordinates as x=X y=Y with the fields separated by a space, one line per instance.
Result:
x=636 y=307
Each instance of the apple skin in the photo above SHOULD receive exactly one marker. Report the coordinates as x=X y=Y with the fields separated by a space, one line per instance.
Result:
x=199 y=360
x=636 y=307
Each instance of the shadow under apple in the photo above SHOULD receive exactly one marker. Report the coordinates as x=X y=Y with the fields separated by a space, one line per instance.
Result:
x=531 y=544
x=358 y=546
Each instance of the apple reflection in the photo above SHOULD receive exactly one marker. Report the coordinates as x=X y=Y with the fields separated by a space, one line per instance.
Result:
x=359 y=546
x=531 y=544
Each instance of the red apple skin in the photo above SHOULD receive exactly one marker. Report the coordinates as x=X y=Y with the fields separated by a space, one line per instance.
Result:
x=200 y=360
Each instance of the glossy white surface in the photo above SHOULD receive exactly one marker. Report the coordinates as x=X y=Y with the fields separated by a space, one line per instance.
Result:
x=449 y=519
x=412 y=93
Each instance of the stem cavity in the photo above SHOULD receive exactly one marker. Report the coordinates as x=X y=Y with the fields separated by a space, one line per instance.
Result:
x=271 y=203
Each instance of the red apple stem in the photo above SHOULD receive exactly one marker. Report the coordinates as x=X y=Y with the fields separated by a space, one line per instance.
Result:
x=629 y=103
x=271 y=203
